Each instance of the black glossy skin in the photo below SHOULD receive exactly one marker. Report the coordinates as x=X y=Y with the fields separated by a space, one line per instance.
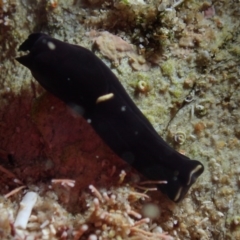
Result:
x=76 y=76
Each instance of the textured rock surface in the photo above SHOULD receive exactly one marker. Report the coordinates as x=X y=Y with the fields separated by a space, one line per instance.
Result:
x=192 y=48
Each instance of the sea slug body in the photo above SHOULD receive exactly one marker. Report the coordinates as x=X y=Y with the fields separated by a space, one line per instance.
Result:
x=77 y=77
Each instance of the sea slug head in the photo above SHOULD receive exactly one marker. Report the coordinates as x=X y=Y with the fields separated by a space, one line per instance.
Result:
x=28 y=44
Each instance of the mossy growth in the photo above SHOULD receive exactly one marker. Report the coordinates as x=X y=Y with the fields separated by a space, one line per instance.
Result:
x=168 y=68
x=150 y=118
x=124 y=2
x=235 y=50
x=234 y=222
x=177 y=91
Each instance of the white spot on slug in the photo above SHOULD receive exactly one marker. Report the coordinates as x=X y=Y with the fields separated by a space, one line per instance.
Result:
x=123 y=108
x=51 y=45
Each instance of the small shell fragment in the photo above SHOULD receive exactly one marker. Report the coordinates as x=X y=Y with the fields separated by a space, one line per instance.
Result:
x=180 y=137
x=142 y=86
x=25 y=209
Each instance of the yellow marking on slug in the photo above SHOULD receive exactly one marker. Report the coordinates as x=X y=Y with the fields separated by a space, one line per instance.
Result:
x=105 y=97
